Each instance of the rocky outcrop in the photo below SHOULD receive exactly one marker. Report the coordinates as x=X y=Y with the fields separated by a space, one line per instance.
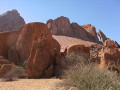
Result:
x=94 y=53
x=4 y=61
x=62 y=26
x=91 y=32
x=110 y=54
x=5 y=68
x=79 y=50
x=41 y=59
x=32 y=32
x=111 y=44
x=79 y=32
x=11 y=20
x=36 y=46
x=13 y=55
x=102 y=36
x=7 y=40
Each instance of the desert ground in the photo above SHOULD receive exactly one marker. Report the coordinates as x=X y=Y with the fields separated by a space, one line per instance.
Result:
x=32 y=84
x=67 y=41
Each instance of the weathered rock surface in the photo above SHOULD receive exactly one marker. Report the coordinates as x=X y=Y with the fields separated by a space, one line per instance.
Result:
x=11 y=20
x=111 y=44
x=94 y=52
x=36 y=46
x=110 y=54
x=62 y=26
x=7 y=40
x=79 y=49
x=5 y=68
x=32 y=32
x=79 y=32
x=91 y=32
x=102 y=36
x=13 y=55
x=4 y=61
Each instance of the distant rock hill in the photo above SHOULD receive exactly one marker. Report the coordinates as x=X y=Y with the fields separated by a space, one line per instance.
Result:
x=11 y=20
x=62 y=26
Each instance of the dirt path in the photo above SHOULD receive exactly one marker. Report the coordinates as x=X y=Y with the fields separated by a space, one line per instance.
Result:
x=32 y=84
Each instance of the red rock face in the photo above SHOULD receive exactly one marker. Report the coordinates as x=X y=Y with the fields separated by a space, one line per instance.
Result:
x=91 y=31
x=62 y=26
x=5 y=68
x=7 y=40
x=110 y=54
x=79 y=49
x=102 y=36
x=36 y=46
x=11 y=20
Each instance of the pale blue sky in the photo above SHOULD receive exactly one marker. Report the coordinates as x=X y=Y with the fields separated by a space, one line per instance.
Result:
x=103 y=14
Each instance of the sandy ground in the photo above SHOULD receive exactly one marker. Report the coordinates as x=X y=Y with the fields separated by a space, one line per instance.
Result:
x=32 y=84
x=67 y=41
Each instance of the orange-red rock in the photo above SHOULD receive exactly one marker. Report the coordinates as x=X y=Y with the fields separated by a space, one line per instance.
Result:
x=13 y=56
x=110 y=44
x=40 y=59
x=36 y=46
x=110 y=54
x=62 y=26
x=79 y=49
x=5 y=68
x=102 y=36
x=4 y=61
x=29 y=33
x=7 y=40
x=91 y=32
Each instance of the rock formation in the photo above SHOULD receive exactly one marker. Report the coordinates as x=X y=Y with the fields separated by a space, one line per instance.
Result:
x=5 y=66
x=91 y=32
x=11 y=20
x=62 y=26
x=7 y=40
x=110 y=54
x=102 y=36
x=36 y=46
x=79 y=49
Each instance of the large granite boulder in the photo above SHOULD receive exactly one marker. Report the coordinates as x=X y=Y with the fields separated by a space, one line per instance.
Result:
x=38 y=49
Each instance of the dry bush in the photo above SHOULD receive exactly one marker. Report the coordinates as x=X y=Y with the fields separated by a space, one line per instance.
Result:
x=14 y=74
x=87 y=76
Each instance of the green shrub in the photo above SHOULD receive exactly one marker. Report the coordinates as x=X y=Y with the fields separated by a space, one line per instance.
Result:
x=87 y=76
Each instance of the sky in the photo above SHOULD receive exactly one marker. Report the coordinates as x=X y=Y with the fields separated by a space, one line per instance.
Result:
x=103 y=14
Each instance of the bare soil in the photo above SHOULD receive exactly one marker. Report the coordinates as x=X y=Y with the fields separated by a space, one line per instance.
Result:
x=32 y=84
x=68 y=41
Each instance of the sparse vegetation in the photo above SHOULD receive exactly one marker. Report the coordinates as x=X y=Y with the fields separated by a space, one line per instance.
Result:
x=87 y=76
x=14 y=73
